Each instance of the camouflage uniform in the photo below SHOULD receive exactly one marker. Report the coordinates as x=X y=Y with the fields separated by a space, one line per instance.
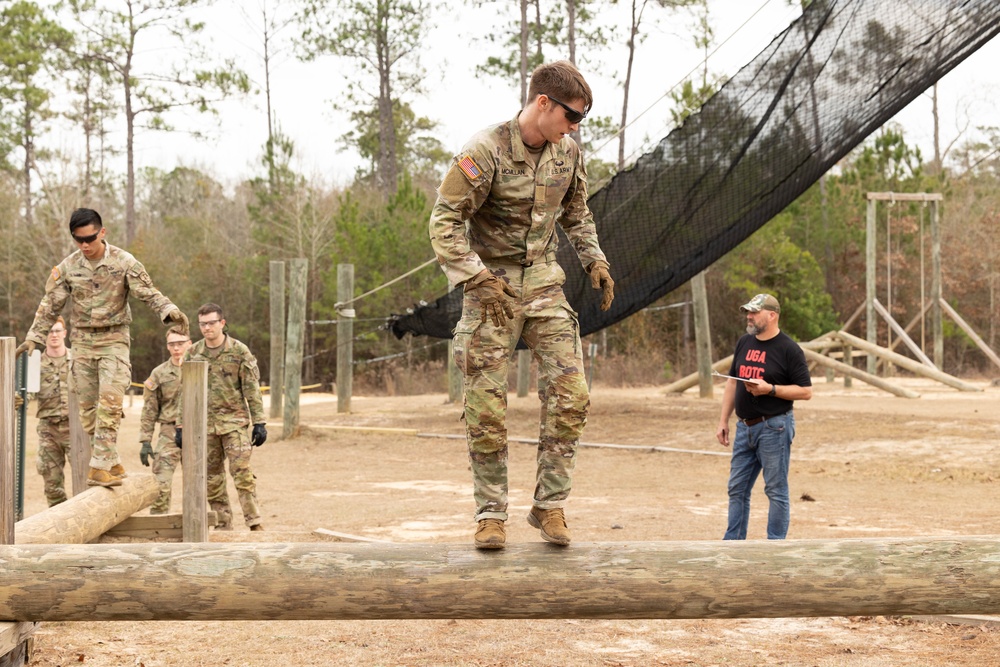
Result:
x=99 y=319
x=233 y=387
x=496 y=210
x=53 y=426
x=161 y=396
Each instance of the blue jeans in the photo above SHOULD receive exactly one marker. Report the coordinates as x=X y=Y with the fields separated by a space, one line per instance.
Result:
x=765 y=446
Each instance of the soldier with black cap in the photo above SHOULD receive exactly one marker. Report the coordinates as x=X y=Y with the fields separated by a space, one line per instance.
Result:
x=772 y=373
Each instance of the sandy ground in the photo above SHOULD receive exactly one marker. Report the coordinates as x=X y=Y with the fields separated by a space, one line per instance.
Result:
x=873 y=465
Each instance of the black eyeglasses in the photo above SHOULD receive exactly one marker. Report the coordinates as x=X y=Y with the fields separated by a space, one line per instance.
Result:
x=208 y=323
x=572 y=115
x=86 y=239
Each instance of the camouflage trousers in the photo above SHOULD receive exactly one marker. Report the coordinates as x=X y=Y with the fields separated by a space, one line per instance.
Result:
x=234 y=446
x=549 y=327
x=100 y=377
x=166 y=459
x=53 y=453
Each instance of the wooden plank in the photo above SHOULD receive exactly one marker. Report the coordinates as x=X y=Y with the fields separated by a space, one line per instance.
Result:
x=277 y=365
x=12 y=635
x=641 y=580
x=169 y=526
x=79 y=447
x=8 y=439
x=905 y=196
x=194 y=462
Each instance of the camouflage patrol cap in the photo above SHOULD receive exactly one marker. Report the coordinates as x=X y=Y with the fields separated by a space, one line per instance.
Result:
x=761 y=302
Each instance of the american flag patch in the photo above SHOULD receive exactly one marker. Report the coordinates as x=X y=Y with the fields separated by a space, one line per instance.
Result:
x=469 y=168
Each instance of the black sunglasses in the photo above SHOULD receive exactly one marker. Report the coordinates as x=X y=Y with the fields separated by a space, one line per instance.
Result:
x=86 y=239
x=572 y=115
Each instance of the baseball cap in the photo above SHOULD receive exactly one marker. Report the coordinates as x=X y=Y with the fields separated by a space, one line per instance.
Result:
x=761 y=302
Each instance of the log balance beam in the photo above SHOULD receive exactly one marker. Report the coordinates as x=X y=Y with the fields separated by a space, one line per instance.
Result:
x=642 y=580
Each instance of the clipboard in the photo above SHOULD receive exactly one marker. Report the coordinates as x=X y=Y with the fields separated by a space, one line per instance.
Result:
x=732 y=377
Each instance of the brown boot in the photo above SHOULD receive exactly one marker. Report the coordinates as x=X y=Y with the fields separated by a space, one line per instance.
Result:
x=257 y=527
x=119 y=470
x=490 y=534
x=552 y=523
x=98 y=477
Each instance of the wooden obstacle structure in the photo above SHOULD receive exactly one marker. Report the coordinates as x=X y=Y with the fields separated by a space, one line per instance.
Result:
x=646 y=580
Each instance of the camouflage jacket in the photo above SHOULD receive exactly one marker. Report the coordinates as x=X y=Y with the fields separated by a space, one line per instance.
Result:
x=53 y=388
x=494 y=205
x=233 y=386
x=100 y=293
x=161 y=396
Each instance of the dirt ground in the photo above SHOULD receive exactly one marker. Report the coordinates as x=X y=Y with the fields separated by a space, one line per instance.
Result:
x=873 y=465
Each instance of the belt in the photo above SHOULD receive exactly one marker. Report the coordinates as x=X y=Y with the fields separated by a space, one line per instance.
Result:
x=101 y=329
x=753 y=421
x=524 y=262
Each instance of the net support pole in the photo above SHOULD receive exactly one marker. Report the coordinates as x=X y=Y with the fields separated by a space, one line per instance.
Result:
x=870 y=263
x=294 y=344
x=937 y=326
x=702 y=335
x=277 y=365
x=345 y=338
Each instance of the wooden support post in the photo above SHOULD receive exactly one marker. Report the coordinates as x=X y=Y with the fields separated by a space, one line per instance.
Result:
x=293 y=347
x=902 y=335
x=345 y=338
x=8 y=439
x=937 y=326
x=523 y=372
x=194 y=460
x=702 y=335
x=871 y=332
x=848 y=361
x=909 y=364
x=873 y=380
x=970 y=332
x=277 y=361
x=79 y=447
x=642 y=580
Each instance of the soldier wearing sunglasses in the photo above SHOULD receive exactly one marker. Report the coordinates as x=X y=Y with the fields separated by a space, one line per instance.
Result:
x=99 y=277
x=493 y=229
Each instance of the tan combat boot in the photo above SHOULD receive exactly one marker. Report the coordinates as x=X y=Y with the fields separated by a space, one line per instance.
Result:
x=490 y=534
x=257 y=527
x=119 y=470
x=552 y=523
x=98 y=477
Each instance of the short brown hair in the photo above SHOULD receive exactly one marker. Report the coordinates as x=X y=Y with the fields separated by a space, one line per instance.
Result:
x=176 y=330
x=209 y=308
x=561 y=80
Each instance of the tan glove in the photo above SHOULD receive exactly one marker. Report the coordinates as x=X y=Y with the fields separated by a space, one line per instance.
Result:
x=601 y=279
x=492 y=293
x=18 y=401
x=175 y=316
x=27 y=346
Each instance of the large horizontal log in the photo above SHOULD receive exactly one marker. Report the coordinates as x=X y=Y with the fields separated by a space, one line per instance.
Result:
x=88 y=515
x=666 y=580
x=905 y=362
x=851 y=371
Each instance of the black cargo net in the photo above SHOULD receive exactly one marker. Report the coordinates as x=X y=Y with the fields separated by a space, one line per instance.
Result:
x=835 y=75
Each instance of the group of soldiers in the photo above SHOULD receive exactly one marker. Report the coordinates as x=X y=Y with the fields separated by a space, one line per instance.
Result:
x=99 y=278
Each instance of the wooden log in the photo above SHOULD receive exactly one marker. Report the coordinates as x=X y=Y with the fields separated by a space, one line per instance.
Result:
x=970 y=332
x=345 y=337
x=662 y=580
x=88 y=515
x=158 y=526
x=294 y=345
x=702 y=336
x=79 y=447
x=194 y=461
x=901 y=335
x=909 y=364
x=8 y=439
x=873 y=380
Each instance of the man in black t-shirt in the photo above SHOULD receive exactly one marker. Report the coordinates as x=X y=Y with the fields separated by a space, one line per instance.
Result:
x=772 y=373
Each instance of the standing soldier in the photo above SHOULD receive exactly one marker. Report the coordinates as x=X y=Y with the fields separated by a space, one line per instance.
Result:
x=234 y=402
x=53 y=414
x=100 y=278
x=493 y=229
x=161 y=396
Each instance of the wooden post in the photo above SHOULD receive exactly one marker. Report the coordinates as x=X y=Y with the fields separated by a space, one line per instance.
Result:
x=702 y=335
x=848 y=361
x=871 y=332
x=277 y=365
x=523 y=372
x=937 y=325
x=194 y=461
x=345 y=337
x=970 y=332
x=79 y=447
x=361 y=581
x=8 y=439
x=294 y=344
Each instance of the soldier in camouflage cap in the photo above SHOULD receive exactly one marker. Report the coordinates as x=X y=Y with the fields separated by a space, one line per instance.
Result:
x=53 y=414
x=161 y=394
x=99 y=277
x=493 y=229
x=234 y=402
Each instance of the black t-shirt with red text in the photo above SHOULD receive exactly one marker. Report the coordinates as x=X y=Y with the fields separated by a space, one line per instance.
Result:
x=778 y=360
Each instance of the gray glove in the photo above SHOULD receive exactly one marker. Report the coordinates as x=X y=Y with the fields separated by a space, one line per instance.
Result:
x=145 y=453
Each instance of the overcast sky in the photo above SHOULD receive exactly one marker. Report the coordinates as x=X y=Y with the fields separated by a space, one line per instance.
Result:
x=462 y=103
